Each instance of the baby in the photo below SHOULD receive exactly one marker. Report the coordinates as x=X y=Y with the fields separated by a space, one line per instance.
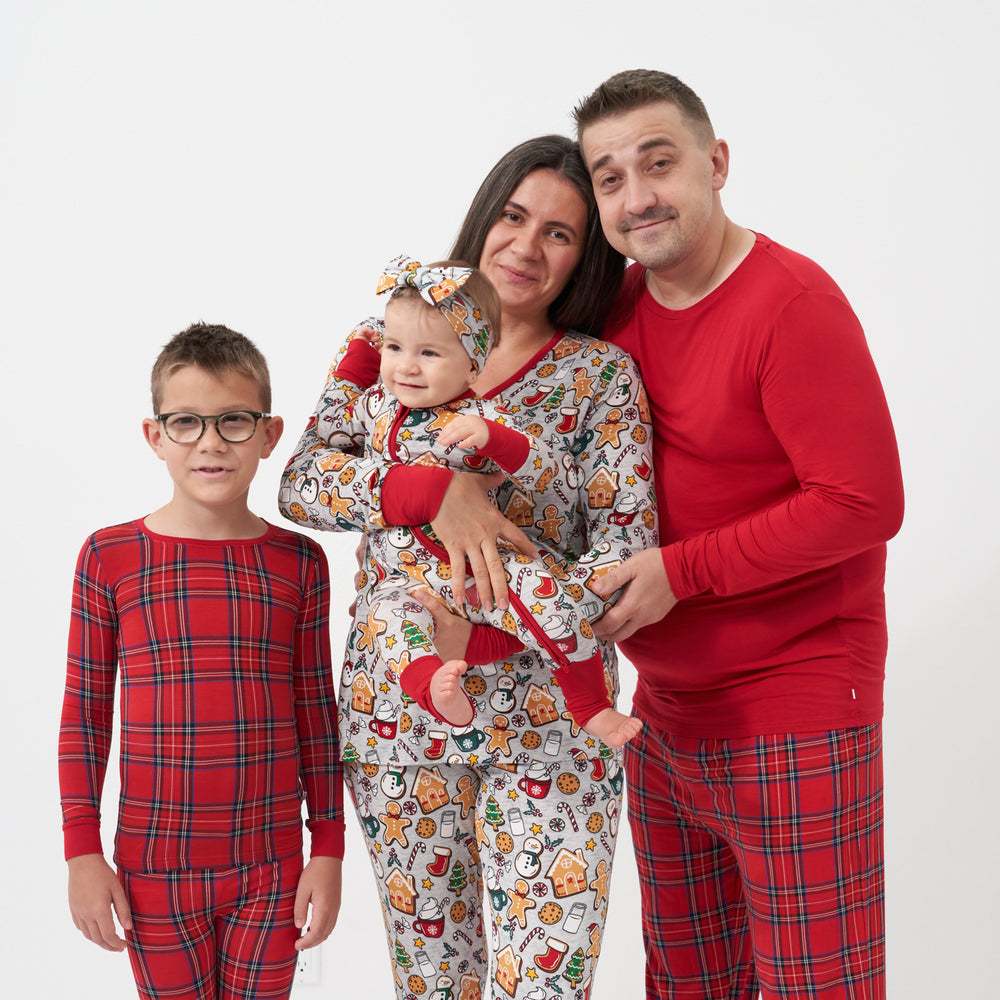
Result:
x=440 y=324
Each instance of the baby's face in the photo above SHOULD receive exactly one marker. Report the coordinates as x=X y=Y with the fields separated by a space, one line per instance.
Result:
x=423 y=362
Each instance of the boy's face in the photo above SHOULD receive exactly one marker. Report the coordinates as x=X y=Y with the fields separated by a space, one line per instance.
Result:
x=211 y=475
x=423 y=362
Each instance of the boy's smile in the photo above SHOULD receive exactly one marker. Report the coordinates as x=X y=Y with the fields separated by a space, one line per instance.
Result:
x=211 y=476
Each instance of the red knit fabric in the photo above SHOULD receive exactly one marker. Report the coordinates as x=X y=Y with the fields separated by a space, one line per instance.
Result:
x=778 y=476
x=228 y=709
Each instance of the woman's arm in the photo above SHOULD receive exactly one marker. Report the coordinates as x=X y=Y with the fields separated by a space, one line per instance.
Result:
x=333 y=482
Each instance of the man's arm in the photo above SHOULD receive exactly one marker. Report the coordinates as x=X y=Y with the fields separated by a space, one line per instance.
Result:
x=823 y=400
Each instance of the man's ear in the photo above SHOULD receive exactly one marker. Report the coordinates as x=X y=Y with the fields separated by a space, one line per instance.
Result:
x=152 y=431
x=272 y=435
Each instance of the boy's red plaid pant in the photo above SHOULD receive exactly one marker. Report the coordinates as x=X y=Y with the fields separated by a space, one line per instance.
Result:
x=214 y=933
x=760 y=863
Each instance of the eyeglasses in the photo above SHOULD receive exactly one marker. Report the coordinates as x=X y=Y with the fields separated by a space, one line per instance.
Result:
x=235 y=427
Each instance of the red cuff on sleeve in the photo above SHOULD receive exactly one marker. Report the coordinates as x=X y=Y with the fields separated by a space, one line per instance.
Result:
x=326 y=838
x=507 y=447
x=412 y=494
x=81 y=837
x=360 y=363
x=489 y=645
x=675 y=575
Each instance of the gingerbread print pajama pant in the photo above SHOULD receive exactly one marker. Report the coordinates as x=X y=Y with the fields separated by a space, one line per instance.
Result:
x=495 y=882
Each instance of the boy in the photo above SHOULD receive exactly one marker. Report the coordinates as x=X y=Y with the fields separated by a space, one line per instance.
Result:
x=228 y=715
x=440 y=325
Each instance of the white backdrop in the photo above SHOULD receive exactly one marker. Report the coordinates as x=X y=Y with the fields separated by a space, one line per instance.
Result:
x=255 y=163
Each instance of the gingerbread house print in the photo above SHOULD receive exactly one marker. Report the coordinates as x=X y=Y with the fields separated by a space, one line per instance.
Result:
x=471 y=988
x=568 y=873
x=363 y=694
x=540 y=705
x=427 y=458
x=508 y=970
x=602 y=489
x=430 y=789
x=519 y=508
x=402 y=892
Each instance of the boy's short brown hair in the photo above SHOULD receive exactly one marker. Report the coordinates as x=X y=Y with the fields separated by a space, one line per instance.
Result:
x=216 y=350
x=477 y=288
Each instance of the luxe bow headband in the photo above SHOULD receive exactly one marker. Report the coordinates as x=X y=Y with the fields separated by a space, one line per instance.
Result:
x=439 y=287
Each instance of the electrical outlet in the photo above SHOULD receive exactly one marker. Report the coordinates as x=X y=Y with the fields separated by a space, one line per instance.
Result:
x=307 y=967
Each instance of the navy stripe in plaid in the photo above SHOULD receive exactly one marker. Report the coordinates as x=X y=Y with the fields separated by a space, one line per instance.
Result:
x=760 y=864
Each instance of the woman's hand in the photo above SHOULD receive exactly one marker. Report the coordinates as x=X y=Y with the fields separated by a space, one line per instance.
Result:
x=451 y=632
x=468 y=526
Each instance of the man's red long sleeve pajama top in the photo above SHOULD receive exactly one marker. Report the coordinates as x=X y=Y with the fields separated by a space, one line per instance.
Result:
x=779 y=484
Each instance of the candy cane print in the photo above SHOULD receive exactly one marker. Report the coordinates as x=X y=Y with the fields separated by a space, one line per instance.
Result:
x=409 y=751
x=535 y=933
x=631 y=449
x=418 y=847
x=607 y=846
x=568 y=809
x=461 y=934
x=522 y=758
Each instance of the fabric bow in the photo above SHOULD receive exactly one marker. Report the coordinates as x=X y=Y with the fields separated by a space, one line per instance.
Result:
x=440 y=287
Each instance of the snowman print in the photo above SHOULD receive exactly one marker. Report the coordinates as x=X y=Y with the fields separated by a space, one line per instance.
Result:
x=528 y=864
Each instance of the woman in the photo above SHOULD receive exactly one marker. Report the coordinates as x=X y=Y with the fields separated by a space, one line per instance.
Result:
x=519 y=807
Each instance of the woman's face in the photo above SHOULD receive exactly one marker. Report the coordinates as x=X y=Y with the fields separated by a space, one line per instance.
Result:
x=535 y=245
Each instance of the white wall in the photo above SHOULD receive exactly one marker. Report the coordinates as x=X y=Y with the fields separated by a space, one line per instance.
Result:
x=255 y=163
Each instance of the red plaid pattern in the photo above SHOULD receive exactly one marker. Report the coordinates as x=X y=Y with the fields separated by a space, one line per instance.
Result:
x=227 y=704
x=216 y=934
x=760 y=863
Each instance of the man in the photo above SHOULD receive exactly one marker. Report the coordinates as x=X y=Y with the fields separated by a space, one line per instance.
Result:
x=758 y=629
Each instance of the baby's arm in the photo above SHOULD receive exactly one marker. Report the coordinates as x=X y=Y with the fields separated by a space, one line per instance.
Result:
x=467 y=431
x=94 y=890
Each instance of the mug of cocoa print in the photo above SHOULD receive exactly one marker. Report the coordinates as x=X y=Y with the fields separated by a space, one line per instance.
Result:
x=468 y=739
x=536 y=782
x=430 y=920
x=386 y=728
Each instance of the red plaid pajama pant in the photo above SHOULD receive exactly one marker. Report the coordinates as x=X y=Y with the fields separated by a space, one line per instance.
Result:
x=760 y=864
x=214 y=933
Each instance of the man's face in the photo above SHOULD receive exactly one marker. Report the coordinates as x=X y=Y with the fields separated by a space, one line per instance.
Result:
x=656 y=181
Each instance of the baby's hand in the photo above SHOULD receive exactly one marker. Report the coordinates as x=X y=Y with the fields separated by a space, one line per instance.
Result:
x=367 y=334
x=467 y=431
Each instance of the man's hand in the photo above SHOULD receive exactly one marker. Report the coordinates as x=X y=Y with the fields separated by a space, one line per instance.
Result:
x=94 y=890
x=468 y=526
x=647 y=598
x=319 y=884
x=467 y=431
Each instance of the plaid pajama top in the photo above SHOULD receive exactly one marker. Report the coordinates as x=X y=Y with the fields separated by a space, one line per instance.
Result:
x=228 y=712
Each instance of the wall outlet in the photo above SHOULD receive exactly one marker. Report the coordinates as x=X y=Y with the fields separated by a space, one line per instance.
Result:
x=307 y=967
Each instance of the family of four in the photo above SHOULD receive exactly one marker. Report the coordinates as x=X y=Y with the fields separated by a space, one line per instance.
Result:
x=497 y=436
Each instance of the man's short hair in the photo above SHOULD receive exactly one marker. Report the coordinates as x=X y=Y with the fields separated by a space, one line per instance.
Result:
x=635 y=88
x=477 y=289
x=216 y=350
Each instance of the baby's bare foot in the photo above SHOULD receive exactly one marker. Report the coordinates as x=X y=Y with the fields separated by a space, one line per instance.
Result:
x=613 y=727
x=450 y=701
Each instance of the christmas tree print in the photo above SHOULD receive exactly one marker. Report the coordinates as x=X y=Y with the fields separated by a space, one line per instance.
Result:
x=458 y=880
x=574 y=970
x=402 y=958
x=494 y=817
x=351 y=755
x=555 y=398
x=415 y=636
x=607 y=372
